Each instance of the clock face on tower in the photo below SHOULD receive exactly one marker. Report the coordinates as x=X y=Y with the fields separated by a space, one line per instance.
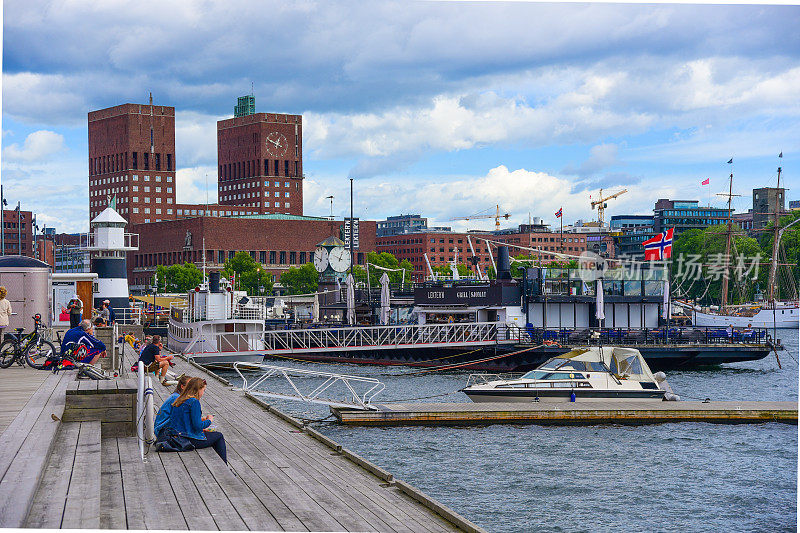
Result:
x=320 y=259
x=339 y=259
x=277 y=145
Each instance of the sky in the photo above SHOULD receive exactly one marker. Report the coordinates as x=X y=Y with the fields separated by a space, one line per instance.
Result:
x=444 y=109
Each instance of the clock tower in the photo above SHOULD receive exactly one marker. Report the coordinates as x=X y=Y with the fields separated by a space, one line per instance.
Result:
x=260 y=157
x=332 y=259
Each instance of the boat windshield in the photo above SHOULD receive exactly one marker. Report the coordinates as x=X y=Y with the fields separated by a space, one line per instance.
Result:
x=562 y=363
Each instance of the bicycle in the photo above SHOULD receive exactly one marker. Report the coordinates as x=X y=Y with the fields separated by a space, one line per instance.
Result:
x=32 y=348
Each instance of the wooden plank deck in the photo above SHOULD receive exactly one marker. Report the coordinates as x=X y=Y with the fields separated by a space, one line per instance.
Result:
x=17 y=385
x=278 y=478
x=727 y=412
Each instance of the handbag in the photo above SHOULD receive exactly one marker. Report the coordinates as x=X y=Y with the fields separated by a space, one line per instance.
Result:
x=169 y=440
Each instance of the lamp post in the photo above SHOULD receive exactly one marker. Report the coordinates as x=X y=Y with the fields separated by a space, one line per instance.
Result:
x=19 y=229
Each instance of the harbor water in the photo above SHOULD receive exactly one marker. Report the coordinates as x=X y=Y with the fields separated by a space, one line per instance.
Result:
x=681 y=476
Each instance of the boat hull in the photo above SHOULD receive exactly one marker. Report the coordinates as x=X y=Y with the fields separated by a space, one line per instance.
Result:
x=781 y=318
x=562 y=395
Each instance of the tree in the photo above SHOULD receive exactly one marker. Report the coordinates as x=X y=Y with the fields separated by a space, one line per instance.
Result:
x=303 y=280
x=178 y=278
x=698 y=264
x=250 y=275
x=385 y=260
x=788 y=252
x=445 y=270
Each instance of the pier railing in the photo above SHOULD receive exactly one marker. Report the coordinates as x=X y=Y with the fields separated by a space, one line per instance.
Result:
x=381 y=337
x=645 y=336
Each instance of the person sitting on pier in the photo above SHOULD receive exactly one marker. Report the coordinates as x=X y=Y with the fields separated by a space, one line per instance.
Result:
x=162 y=418
x=84 y=334
x=188 y=421
x=153 y=360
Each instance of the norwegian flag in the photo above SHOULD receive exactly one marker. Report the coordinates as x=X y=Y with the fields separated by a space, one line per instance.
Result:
x=659 y=247
x=559 y=212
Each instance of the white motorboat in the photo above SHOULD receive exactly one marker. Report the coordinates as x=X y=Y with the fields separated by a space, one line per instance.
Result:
x=584 y=374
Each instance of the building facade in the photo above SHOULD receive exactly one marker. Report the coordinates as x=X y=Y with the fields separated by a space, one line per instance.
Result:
x=400 y=224
x=17 y=232
x=260 y=159
x=132 y=159
x=686 y=214
x=767 y=202
x=277 y=241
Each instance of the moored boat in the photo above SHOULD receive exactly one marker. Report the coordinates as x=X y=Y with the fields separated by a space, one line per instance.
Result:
x=594 y=374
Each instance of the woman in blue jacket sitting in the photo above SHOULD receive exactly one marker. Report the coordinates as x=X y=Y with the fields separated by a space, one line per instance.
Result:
x=187 y=419
x=166 y=408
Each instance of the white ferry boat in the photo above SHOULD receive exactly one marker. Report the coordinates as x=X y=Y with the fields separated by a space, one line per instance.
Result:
x=218 y=325
x=591 y=374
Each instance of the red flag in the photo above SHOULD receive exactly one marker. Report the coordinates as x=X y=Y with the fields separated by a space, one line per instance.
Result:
x=559 y=212
x=706 y=181
x=659 y=247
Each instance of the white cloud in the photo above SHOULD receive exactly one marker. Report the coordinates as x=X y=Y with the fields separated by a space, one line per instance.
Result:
x=37 y=146
x=600 y=156
x=190 y=185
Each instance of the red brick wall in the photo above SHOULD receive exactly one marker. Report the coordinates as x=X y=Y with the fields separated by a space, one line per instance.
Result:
x=440 y=248
x=115 y=134
x=164 y=243
x=260 y=162
x=11 y=232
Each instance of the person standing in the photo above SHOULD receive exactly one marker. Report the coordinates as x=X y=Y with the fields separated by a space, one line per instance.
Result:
x=5 y=311
x=75 y=307
x=112 y=316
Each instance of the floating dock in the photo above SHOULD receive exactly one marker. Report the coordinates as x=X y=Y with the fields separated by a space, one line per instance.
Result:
x=577 y=413
x=68 y=459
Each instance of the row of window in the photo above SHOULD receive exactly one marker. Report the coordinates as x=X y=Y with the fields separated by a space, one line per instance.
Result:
x=124 y=179
x=244 y=195
x=266 y=257
x=252 y=168
x=117 y=162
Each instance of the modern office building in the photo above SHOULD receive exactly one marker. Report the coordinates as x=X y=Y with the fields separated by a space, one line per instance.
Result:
x=686 y=214
x=400 y=224
x=629 y=232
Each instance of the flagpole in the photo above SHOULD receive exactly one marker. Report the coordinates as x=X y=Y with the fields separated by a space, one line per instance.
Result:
x=561 y=218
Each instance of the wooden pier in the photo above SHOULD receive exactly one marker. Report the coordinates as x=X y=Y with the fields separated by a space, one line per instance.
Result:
x=78 y=469
x=586 y=413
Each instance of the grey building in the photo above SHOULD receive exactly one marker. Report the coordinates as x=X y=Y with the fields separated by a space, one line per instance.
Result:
x=401 y=224
x=766 y=202
x=686 y=214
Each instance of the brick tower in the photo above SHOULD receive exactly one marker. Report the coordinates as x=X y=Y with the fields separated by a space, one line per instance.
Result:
x=132 y=158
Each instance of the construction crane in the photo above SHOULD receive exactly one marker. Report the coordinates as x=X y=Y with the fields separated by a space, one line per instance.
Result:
x=497 y=216
x=601 y=204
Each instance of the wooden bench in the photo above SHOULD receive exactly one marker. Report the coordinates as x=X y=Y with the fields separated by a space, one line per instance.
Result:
x=69 y=493
x=25 y=448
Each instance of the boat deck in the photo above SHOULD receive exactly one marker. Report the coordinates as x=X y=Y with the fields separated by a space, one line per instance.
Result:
x=576 y=413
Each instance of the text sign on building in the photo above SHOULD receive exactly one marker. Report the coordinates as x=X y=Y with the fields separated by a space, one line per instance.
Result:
x=346 y=232
x=470 y=296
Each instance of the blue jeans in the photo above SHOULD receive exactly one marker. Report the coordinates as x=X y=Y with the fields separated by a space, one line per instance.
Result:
x=215 y=439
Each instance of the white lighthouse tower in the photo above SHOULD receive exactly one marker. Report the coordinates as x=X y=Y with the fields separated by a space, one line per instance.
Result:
x=108 y=244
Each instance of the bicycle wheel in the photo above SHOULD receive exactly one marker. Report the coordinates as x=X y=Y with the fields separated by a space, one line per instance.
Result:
x=8 y=353
x=39 y=352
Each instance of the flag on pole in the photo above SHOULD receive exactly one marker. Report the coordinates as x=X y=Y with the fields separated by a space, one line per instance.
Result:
x=730 y=161
x=659 y=247
x=706 y=181
x=559 y=212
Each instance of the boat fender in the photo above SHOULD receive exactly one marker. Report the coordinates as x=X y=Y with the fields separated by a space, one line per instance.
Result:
x=572 y=396
x=661 y=380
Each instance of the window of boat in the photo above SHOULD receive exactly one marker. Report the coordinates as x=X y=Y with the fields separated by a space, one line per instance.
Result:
x=595 y=367
x=564 y=375
x=535 y=374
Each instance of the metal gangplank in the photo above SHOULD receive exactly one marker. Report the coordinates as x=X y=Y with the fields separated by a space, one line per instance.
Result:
x=311 y=386
x=346 y=339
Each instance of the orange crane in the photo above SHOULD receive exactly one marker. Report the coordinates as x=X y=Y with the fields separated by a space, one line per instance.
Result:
x=497 y=216
x=601 y=204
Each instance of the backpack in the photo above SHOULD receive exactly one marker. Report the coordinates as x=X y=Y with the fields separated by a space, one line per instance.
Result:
x=169 y=440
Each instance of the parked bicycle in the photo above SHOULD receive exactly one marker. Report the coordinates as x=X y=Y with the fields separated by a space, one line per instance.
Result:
x=31 y=348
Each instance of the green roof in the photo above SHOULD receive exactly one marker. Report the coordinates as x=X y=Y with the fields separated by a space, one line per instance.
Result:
x=278 y=216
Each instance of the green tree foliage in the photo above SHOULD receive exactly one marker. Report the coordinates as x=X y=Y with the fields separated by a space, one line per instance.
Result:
x=385 y=260
x=178 y=278
x=531 y=261
x=697 y=265
x=250 y=275
x=303 y=280
x=445 y=270
x=788 y=253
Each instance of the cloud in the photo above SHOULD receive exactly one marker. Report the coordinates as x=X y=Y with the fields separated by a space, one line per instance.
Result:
x=190 y=185
x=600 y=157
x=37 y=146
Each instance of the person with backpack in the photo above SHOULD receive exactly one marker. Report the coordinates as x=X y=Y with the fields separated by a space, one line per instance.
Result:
x=84 y=334
x=162 y=418
x=186 y=420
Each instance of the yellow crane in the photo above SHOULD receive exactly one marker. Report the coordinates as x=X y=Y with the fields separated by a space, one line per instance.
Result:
x=497 y=216
x=601 y=204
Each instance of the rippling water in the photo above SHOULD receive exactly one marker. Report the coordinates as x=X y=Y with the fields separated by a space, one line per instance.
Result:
x=683 y=476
